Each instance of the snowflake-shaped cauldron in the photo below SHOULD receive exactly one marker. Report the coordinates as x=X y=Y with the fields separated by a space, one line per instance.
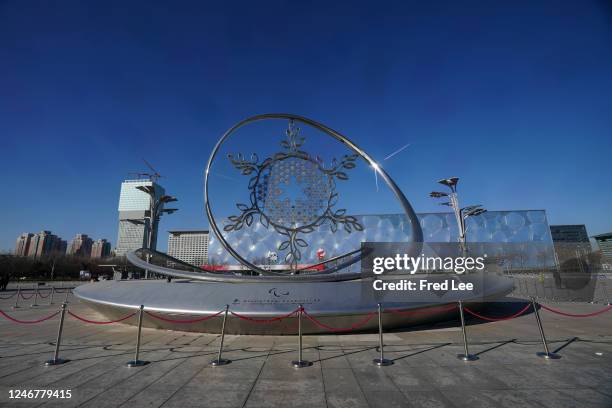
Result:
x=294 y=193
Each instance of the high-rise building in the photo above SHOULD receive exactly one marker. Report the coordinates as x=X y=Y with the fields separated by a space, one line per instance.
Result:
x=81 y=245
x=569 y=233
x=134 y=208
x=23 y=244
x=605 y=245
x=101 y=248
x=189 y=246
x=45 y=243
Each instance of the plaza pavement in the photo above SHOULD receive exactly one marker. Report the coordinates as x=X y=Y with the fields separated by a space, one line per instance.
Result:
x=426 y=372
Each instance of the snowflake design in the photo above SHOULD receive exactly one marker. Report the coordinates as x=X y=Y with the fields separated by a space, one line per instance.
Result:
x=294 y=193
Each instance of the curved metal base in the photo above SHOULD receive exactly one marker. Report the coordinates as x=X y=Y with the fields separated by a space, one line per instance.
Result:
x=382 y=362
x=55 y=362
x=467 y=357
x=219 y=362
x=189 y=299
x=137 y=363
x=301 y=363
x=548 y=356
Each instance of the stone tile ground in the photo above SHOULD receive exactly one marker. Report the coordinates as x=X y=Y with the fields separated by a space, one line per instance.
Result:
x=426 y=372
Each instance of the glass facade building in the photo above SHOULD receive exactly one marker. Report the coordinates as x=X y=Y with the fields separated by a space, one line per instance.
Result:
x=134 y=207
x=527 y=229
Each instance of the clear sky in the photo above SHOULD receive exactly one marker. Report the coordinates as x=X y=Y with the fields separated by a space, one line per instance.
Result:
x=513 y=97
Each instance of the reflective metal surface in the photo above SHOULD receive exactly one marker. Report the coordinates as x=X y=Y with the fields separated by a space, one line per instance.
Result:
x=337 y=304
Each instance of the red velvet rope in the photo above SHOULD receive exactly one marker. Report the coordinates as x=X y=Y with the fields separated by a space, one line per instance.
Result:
x=576 y=315
x=496 y=319
x=4 y=298
x=44 y=297
x=264 y=321
x=96 y=322
x=201 y=319
x=26 y=298
x=355 y=326
x=426 y=311
x=28 y=321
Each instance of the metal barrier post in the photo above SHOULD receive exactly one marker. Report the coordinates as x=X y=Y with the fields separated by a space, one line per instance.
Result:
x=16 y=306
x=466 y=356
x=546 y=354
x=56 y=360
x=35 y=304
x=382 y=361
x=67 y=293
x=221 y=361
x=52 y=293
x=137 y=362
x=300 y=362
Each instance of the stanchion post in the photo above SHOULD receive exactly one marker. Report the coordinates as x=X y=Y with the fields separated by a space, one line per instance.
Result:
x=35 y=304
x=137 y=362
x=67 y=293
x=52 y=293
x=221 y=361
x=466 y=356
x=300 y=362
x=546 y=353
x=16 y=305
x=56 y=360
x=381 y=361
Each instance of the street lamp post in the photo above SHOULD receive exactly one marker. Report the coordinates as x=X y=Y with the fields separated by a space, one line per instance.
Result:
x=461 y=214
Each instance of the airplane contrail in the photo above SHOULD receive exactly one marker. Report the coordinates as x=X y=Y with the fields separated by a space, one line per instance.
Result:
x=397 y=151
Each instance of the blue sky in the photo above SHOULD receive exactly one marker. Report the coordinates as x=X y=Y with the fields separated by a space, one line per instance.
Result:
x=513 y=97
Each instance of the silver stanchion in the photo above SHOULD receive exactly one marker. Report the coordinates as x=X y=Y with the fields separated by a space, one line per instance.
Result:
x=382 y=361
x=16 y=305
x=56 y=360
x=466 y=356
x=137 y=362
x=546 y=354
x=221 y=361
x=35 y=304
x=67 y=293
x=51 y=296
x=300 y=362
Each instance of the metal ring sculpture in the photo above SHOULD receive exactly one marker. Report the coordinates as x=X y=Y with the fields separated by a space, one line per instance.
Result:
x=292 y=144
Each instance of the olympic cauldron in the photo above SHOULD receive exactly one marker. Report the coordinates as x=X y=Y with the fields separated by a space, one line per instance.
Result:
x=264 y=281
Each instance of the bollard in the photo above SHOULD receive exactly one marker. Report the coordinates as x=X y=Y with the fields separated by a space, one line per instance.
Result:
x=137 y=362
x=300 y=362
x=56 y=360
x=221 y=361
x=466 y=356
x=16 y=306
x=382 y=361
x=67 y=293
x=52 y=293
x=35 y=304
x=546 y=354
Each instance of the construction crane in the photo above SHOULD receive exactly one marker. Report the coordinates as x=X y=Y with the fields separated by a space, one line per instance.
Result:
x=153 y=175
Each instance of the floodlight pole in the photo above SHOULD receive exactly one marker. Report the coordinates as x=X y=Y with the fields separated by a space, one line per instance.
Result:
x=155 y=212
x=461 y=214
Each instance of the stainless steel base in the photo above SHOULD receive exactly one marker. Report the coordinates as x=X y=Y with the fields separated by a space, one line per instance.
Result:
x=382 y=362
x=301 y=363
x=137 y=363
x=467 y=357
x=548 y=356
x=221 y=362
x=55 y=362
